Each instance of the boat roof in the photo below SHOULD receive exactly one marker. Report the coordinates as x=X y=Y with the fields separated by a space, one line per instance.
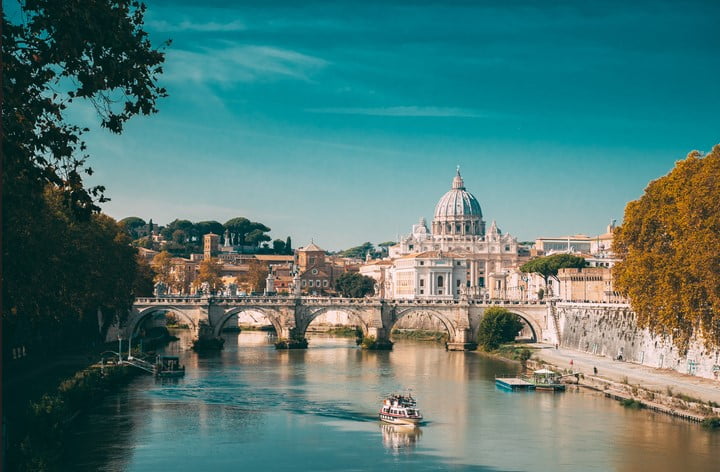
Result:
x=544 y=371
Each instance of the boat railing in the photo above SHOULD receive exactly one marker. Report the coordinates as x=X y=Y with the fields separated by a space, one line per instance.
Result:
x=140 y=364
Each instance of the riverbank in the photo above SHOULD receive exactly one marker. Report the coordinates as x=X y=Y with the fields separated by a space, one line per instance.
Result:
x=38 y=430
x=662 y=390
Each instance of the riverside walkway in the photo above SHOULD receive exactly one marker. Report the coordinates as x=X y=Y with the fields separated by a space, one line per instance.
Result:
x=647 y=377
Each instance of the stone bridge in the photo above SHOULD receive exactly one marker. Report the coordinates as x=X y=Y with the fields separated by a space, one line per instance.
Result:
x=376 y=317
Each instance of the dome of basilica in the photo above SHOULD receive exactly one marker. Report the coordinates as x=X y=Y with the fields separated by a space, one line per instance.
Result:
x=457 y=202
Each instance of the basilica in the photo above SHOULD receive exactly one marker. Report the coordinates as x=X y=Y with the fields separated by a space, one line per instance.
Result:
x=458 y=257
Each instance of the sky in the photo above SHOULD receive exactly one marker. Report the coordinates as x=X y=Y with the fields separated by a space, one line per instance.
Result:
x=343 y=122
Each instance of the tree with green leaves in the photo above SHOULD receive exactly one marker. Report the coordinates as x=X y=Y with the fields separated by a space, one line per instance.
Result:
x=279 y=246
x=247 y=232
x=498 y=326
x=548 y=266
x=257 y=236
x=358 y=251
x=288 y=246
x=56 y=55
x=668 y=243
x=132 y=223
x=206 y=227
x=354 y=285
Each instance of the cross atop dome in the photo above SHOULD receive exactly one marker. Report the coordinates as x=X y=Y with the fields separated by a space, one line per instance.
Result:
x=458 y=182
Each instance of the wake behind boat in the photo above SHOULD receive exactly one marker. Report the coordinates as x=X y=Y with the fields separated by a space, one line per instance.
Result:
x=400 y=409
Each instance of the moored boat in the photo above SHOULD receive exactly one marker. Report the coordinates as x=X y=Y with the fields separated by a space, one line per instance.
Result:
x=169 y=366
x=545 y=379
x=400 y=409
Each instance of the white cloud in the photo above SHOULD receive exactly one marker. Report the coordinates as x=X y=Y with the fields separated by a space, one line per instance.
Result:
x=406 y=111
x=164 y=26
x=239 y=64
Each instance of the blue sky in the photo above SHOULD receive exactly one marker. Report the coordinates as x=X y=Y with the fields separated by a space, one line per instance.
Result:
x=344 y=122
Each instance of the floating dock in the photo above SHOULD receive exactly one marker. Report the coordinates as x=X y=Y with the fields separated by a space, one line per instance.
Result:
x=514 y=383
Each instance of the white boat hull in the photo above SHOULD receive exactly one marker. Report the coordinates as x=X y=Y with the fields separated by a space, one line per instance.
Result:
x=392 y=419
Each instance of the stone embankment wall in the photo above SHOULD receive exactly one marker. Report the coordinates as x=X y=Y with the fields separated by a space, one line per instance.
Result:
x=610 y=330
x=420 y=321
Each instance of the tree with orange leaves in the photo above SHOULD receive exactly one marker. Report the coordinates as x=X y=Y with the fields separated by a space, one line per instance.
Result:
x=669 y=244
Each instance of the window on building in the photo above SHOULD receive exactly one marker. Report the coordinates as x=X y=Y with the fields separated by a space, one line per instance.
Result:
x=507 y=248
x=458 y=282
x=317 y=283
x=312 y=260
x=325 y=283
x=311 y=282
x=440 y=281
x=422 y=282
x=303 y=283
x=422 y=291
x=481 y=281
x=410 y=247
x=457 y=228
x=422 y=262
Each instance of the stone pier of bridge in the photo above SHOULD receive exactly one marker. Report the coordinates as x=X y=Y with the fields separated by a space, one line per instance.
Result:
x=290 y=317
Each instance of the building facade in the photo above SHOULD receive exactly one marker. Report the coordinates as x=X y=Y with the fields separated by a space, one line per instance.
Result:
x=458 y=240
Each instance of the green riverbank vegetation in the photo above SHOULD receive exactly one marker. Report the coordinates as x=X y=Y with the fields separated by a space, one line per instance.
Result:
x=421 y=335
x=38 y=443
x=498 y=326
x=69 y=271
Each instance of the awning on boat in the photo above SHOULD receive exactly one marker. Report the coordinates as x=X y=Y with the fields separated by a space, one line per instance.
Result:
x=543 y=372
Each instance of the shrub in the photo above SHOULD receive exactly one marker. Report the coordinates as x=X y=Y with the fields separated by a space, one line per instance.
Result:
x=711 y=423
x=498 y=326
x=372 y=344
x=524 y=355
x=631 y=403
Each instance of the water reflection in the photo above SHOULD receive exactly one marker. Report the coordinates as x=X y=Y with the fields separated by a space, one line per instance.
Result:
x=318 y=408
x=400 y=438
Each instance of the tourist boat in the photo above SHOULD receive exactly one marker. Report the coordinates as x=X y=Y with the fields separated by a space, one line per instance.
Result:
x=169 y=366
x=400 y=409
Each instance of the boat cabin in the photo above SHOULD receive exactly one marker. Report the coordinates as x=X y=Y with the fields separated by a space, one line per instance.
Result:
x=169 y=366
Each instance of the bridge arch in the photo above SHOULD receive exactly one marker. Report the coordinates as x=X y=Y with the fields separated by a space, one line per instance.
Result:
x=143 y=314
x=530 y=320
x=352 y=313
x=273 y=317
x=399 y=314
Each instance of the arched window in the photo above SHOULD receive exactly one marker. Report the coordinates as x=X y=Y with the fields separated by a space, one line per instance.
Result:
x=440 y=281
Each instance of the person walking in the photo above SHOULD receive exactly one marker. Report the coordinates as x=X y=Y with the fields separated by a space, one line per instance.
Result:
x=594 y=370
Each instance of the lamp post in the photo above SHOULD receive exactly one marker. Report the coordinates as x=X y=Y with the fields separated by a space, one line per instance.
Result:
x=119 y=349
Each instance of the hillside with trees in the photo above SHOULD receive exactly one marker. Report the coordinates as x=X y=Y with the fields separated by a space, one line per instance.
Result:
x=183 y=237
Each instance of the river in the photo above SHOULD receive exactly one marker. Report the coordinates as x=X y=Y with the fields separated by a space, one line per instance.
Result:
x=251 y=407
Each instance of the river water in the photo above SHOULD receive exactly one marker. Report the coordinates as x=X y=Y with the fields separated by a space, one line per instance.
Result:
x=251 y=407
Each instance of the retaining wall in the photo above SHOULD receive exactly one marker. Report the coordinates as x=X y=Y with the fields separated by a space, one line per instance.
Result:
x=610 y=330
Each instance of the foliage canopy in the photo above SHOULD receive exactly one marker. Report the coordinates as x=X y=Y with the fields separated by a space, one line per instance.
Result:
x=354 y=285
x=548 y=266
x=498 y=326
x=62 y=260
x=669 y=244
